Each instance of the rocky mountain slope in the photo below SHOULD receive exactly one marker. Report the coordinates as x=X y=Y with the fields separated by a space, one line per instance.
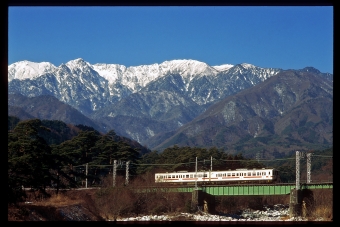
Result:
x=292 y=109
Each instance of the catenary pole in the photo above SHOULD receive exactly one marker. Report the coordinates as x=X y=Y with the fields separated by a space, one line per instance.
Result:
x=127 y=173
x=114 y=170
x=196 y=174
x=86 y=171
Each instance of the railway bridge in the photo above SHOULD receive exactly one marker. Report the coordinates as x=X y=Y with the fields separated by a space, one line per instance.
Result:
x=203 y=196
x=252 y=189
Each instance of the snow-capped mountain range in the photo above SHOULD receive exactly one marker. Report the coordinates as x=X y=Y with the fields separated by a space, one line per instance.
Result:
x=133 y=77
x=111 y=82
x=139 y=102
x=113 y=73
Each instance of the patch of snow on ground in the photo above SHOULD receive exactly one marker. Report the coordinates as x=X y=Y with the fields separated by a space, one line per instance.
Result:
x=277 y=212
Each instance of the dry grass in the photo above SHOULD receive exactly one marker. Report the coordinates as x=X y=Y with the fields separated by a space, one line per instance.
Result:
x=323 y=205
x=284 y=218
x=325 y=212
x=57 y=201
x=63 y=198
x=75 y=203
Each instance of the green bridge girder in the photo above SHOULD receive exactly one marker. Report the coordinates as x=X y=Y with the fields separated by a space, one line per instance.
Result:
x=278 y=189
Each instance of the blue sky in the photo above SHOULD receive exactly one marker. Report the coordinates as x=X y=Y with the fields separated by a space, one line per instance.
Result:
x=266 y=36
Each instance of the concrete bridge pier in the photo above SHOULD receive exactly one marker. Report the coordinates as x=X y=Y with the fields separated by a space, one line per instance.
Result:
x=202 y=201
x=295 y=203
x=301 y=202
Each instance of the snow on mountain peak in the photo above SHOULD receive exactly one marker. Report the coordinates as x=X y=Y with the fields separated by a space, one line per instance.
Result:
x=77 y=63
x=223 y=67
x=28 y=70
x=111 y=72
x=188 y=67
x=247 y=66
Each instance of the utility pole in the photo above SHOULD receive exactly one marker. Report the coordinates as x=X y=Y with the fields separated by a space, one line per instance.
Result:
x=210 y=168
x=309 y=163
x=297 y=166
x=114 y=170
x=196 y=175
x=127 y=173
x=299 y=156
x=86 y=171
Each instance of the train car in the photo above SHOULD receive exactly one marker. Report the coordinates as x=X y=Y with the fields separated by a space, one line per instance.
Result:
x=264 y=175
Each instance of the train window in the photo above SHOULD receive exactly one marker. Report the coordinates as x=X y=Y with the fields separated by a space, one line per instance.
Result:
x=249 y=173
x=229 y=174
x=254 y=173
x=191 y=175
x=236 y=174
x=205 y=175
x=176 y=176
x=233 y=174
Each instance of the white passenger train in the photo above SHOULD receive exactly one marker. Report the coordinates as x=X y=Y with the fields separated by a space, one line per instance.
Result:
x=263 y=175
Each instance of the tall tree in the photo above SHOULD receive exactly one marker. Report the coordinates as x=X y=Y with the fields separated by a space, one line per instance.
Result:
x=29 y=157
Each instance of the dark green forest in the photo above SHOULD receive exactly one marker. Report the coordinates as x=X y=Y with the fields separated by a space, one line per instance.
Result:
x=51 y=153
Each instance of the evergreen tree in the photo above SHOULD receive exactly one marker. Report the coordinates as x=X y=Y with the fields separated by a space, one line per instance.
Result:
x=29 y=158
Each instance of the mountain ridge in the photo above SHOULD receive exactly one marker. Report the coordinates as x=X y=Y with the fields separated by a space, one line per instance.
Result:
x=154 y=106
x=257 y=110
